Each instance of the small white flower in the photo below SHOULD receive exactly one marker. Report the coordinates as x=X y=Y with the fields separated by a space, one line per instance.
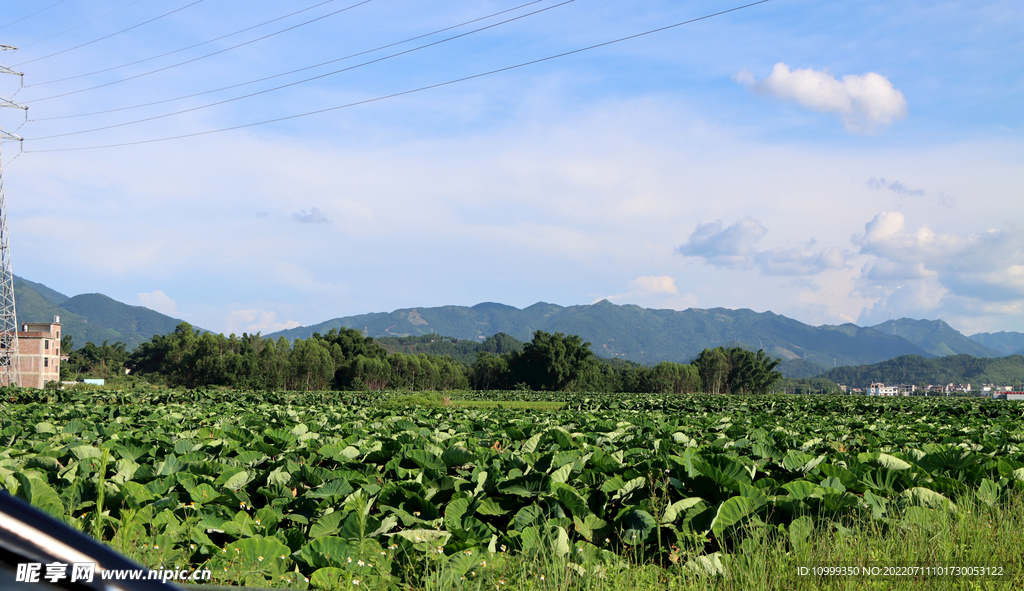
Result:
x=355 y=581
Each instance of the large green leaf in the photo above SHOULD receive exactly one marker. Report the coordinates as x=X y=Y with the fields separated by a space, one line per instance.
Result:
x=533 y=484
x=326 y=551
x=426 y=460
x=589 y=526
x=261 y=554
x=988 y=492
x=431 y=537
x=925 y=497
x=800 y=531
x=635 y=526
x=328 y=525
x=571 y=500
x=39 y=494
x=457 y=456
x=731 y=514
x=678 y=508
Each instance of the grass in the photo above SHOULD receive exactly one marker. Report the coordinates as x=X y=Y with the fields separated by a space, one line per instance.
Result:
x=768 y=559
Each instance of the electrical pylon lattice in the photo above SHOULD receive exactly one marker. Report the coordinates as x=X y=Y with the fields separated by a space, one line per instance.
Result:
x=10 y=373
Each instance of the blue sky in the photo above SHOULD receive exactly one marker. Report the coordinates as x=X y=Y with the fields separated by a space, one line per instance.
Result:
x=829 y=161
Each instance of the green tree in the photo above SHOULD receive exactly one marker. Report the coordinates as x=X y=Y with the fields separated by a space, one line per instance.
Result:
x=311 y=365
x=550 y=361
x=488 y=371
x=372 y=372
x=713 y=367
x=673 y=378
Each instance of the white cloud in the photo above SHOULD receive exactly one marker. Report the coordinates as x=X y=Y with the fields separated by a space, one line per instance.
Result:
x=315 y=216
x=863 y=102
x=905 y=191
x=735 y=248
x=923 y=270
x=255 y=320
x=662 y=284
x=731 y=247
x=159 y=301
x=654 y=292
x=895 y=187
x=793 y=261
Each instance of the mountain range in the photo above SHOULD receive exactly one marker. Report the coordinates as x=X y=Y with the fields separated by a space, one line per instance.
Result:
x=90 y=317
x=628 y=332
x=647 y=335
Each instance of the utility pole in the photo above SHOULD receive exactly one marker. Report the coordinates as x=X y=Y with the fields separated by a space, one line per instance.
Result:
x=10 y=373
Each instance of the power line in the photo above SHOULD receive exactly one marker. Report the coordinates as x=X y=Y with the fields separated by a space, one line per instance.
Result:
x=264 y=79
x=412 y=91
x=296 y=83
x=191 y=46
x=110 y=35
x=23 y=45
x=202 y=56
x=32 y=15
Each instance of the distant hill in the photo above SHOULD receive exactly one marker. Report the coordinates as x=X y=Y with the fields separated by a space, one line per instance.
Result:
x=639 y=334
x=463 y=350
x=31 y=306
x=89 y=317
x=1005 y=342
x=799 y=368
x=54 y=297
x=914 y=369
x=937 y=337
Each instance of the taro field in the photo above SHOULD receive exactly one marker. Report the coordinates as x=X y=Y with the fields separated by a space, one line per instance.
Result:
x=335 y=490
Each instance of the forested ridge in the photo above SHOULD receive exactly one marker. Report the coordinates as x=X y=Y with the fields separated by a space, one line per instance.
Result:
x=917 y=370
x=344 y=359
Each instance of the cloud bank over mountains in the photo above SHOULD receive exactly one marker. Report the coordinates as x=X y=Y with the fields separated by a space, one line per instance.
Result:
x=904 y=271
x=982 y=269
x=735 y=247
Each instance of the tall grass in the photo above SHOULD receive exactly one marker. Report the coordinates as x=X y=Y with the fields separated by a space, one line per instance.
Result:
x=769 y=558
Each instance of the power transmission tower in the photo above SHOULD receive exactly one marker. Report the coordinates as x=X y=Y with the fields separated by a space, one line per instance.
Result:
x=9 y=367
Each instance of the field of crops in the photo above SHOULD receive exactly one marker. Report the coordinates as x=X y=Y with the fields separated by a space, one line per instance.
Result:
x=327 y=489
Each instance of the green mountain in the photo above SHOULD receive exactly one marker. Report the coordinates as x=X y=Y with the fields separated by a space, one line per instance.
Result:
x=54 y=297
x=89 y=317
x=799 y=368
x=31 y=306
x=913 y=369
x=1005 y=342
x=638 y=334
x=937 y=337
x=463 y=350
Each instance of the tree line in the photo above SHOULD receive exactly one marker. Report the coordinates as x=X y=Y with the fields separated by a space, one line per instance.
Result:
x=343 y=359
